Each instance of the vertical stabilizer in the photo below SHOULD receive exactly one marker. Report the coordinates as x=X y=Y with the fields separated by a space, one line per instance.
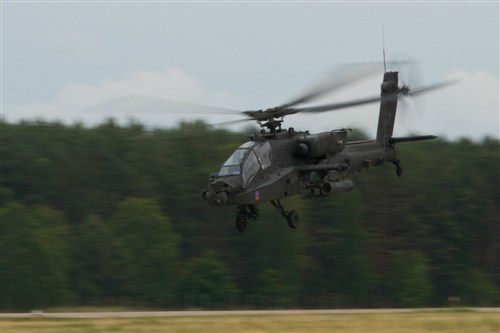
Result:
x=388 y=105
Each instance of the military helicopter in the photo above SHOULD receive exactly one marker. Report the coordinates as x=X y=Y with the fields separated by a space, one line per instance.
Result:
x=278 y=163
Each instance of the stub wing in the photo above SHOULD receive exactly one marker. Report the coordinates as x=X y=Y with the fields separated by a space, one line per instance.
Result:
x=393 y=141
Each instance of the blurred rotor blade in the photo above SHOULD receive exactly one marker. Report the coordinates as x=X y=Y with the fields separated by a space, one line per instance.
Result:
x=421 y=90
x=232 y=122
x=341 y=77
x=410 y=75
x=344 y=105
x=407 y=67
x=368 y=100
x=140 y=104
x=410 y=111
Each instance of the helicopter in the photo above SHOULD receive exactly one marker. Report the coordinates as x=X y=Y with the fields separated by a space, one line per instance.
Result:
x=278 y=163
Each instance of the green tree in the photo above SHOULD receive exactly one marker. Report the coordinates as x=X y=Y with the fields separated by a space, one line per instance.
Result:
x=268 y=254
x=98 y=267
x=445 y=209
x=206 y=281
x=410 y=282
x=274 y=285
x=338 y=262
x=477 y=289
x=150 y=247
x=34 y=263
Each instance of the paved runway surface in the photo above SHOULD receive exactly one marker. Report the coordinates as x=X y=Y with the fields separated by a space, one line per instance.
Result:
x=139 y=314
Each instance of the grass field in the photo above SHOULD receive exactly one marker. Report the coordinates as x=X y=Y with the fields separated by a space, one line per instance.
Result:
x=415 y=322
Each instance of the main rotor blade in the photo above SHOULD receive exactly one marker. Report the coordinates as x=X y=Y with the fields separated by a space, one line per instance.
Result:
x=341 y=77
x=232 y=122
x=424 y=89
x=368 y=100
x=136 y=104
x=344 y=105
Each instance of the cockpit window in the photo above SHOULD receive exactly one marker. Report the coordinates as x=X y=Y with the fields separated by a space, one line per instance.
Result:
x=236 y=157
x=247 y=160
x=232 y=165
x=230 y=170
x=248 y=144
x=250 y=167
x=263 y=152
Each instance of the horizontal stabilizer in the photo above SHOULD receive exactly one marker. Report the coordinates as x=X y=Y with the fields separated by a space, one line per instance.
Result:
x=393 y=141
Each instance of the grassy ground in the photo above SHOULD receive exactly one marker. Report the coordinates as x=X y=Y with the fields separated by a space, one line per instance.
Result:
x=416 y=322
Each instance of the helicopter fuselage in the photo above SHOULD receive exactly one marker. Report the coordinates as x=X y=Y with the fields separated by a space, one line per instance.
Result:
x=282 y=163
x=279 y=165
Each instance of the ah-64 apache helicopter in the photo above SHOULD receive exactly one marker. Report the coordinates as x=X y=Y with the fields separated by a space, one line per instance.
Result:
x=279 y=163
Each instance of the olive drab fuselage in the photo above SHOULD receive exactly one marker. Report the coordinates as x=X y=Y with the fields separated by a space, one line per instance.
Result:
x=298 y=163
x=282 y=163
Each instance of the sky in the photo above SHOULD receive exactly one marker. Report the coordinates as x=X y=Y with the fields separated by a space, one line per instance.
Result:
x=62 y=60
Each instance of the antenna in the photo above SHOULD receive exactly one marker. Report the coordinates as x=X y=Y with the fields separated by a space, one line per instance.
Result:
x=383 y=46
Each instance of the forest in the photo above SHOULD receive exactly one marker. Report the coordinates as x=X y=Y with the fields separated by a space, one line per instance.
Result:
x=111 y=215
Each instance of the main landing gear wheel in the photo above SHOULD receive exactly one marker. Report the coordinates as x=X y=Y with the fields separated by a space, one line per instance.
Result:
x=293 y=219
x=399 y=171
x=245 y=215
x=241 y=223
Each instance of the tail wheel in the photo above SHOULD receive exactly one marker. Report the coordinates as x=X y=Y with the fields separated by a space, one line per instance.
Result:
x=399 y=169
x=293 y=219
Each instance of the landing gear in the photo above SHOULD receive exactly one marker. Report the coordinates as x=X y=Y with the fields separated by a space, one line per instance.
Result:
x=241 y=223
x=245 y=215
x=399 y=169
x=249 y=213
x=291 y=217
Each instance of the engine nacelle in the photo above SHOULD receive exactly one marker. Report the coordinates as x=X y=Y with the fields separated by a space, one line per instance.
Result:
x=319 y=145
x=309 y=146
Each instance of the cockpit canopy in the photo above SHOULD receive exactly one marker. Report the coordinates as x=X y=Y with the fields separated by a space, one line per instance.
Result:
x=249 y=158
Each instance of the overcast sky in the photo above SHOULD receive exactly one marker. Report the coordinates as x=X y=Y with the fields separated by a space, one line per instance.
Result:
x=59 y=59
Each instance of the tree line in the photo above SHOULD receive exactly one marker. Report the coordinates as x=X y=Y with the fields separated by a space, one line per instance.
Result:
x=111 y=215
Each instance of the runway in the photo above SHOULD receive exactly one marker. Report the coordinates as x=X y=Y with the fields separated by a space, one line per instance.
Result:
x=202 y=313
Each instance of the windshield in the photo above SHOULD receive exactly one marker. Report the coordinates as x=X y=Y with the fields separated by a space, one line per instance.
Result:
x=247 y=160
x=263 y=152
x=232 y=165
x=250 y=168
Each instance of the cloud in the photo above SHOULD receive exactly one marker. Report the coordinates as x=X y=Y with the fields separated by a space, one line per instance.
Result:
x=71 y=103
x=469 y=108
